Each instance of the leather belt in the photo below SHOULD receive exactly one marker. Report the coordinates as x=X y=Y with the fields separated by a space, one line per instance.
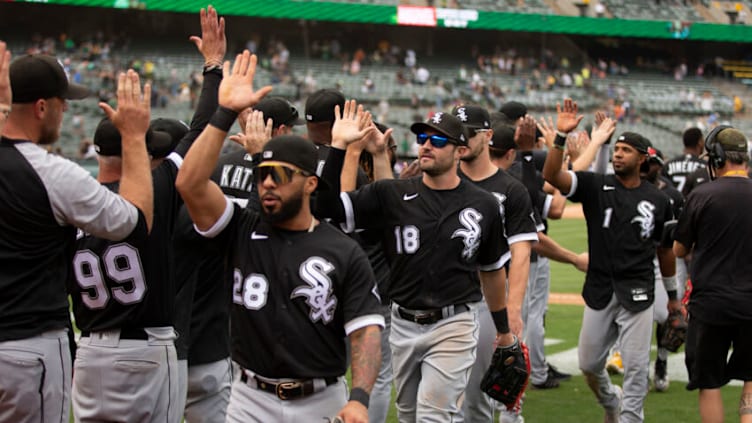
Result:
x=125 y=333
x=285 y=390
x=427 y=317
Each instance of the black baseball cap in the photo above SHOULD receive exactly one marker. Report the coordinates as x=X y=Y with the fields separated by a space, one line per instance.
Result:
x=294 y=150
x=319 y=106
x=636 y=140
x=281 y=111
x=503 y=138
x=513 y=110
x=37 y=76
x=444 y=123
x=107 y=140
x=162 y=146
x=473 y=117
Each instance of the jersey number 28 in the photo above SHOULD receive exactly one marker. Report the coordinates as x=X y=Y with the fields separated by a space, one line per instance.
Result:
x=123 y=266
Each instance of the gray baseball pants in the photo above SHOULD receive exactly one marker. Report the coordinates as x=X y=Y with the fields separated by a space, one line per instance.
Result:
x=249 y=404
x=600 y=330
x=478 y=407
x=381 y=394
x=208 y=392
x=35 y=379
x=536 y=298
x=126 y=379
x=432 y=365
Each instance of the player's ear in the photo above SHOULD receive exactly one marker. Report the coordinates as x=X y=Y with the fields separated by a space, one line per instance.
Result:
x=310 y=184
x=460 y=151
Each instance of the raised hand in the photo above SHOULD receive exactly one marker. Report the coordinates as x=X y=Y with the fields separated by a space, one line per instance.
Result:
x=600 y=116
x=524 y=136
x=236 y=89
x=6 y=97
x=350 y=125
x=576 y=144
x=567 y=118
x=548 y=130
x=257 y=133
x=212 y=44
x=604 y=130
x=133 y=108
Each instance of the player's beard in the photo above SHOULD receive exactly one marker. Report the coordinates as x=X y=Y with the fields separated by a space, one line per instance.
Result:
x=287 y=209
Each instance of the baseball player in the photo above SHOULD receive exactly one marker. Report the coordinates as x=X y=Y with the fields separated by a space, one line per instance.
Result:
x=625 y=218
x=520 y=232
x=437 y=230
x=44 y=198
x=678 y=169
x=123 y=293
x=200 y=269
x=299 y=285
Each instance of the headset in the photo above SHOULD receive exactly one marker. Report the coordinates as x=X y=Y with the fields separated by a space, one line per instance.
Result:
x=714 y=149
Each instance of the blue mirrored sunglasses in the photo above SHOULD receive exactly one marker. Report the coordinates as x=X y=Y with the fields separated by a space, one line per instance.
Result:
x=437 y=141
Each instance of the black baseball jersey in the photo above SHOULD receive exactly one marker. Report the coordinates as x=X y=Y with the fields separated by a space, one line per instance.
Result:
x=695 y=179
x=624 y=228
x=675 y=197
x=678 y=169
x=43 y=197
x=514 y=205
x=295 y=294
x=129 y=284
x=234 y=174
x=718 y=223
x=435 y=240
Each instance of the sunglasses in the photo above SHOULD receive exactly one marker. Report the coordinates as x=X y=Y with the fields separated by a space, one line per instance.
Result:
x=280 y=174
x=437 y=141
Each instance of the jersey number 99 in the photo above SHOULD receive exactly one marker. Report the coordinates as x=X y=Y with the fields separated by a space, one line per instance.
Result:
x=123 y=266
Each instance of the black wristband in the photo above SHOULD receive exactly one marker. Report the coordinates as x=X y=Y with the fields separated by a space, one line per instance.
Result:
x=360 y=395
x=223 y=118
x=672 y=295
x=501 y=320
x=560 y=142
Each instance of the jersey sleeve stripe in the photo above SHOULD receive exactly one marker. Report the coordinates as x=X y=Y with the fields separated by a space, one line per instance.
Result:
x=547 y=205
x=349 y=224
x=498 y=264
x=573 y=186
x=175 y=158
x=528 y=236
x=221 y=223
x=363 y=321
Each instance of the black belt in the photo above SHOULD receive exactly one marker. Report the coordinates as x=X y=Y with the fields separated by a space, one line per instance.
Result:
x=125 y=333
x=287 y=390
x=427 y=317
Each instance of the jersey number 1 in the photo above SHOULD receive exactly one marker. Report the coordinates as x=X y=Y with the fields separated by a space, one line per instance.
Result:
x=122 y=264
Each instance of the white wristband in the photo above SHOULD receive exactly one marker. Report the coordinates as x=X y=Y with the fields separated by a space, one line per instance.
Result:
x=669 y=282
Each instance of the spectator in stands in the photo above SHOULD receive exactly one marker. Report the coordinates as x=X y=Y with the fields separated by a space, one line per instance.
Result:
x=600 y=10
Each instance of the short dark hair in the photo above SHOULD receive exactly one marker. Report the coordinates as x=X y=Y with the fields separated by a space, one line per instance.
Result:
x=692 y=137
x=737 y=157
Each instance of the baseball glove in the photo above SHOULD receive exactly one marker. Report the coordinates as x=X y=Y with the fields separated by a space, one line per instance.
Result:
x=675 y=331
x=507 y=377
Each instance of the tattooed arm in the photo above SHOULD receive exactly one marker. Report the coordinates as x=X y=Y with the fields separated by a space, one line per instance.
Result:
x=365 y=354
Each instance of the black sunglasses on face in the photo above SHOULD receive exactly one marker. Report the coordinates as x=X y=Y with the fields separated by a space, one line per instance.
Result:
x=437 y=141
x=280 y=174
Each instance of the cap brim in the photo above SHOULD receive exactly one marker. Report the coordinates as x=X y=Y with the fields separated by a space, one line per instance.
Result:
x=76 y=92
x=420 y=127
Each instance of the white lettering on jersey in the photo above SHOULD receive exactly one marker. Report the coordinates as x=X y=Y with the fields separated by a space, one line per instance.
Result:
x=318 y=295
x=646 y=219
x=470 y=235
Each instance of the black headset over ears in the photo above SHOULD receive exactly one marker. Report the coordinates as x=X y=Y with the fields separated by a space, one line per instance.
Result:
x=716 y=155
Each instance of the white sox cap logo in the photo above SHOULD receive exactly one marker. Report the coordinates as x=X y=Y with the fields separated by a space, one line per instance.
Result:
x=318 y=295
x=437 y=117
x=461 y=114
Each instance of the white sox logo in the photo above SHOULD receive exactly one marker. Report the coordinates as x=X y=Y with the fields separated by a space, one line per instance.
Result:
x=646 y=219
x=319 y=295
x=461 y=114
x=471 y=233
x=437 y=117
